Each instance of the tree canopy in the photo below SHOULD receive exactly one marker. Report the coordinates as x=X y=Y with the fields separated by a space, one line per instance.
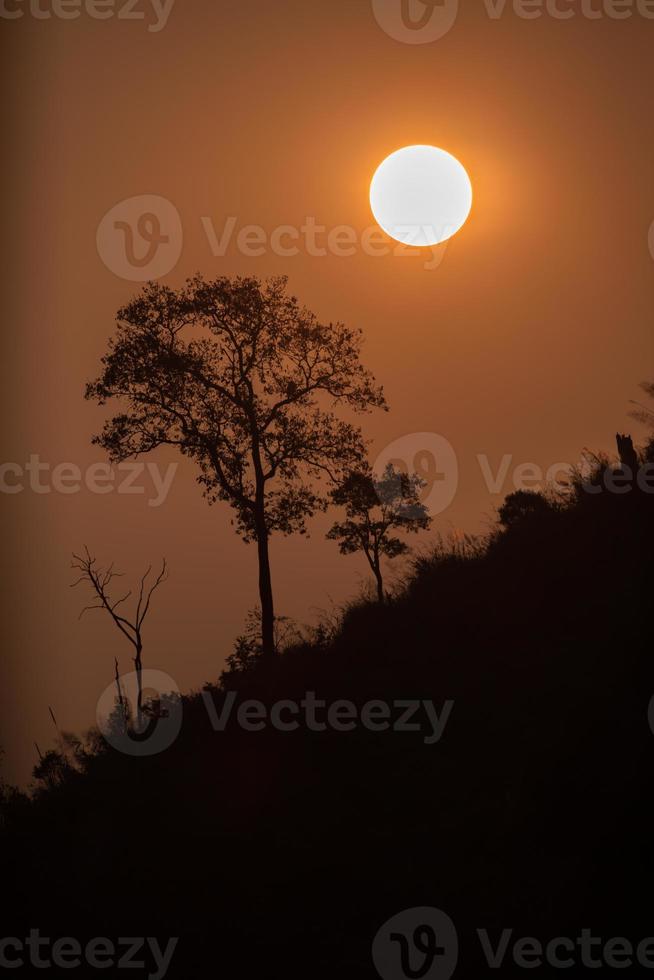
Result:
x=244 y=381
x=374 y=507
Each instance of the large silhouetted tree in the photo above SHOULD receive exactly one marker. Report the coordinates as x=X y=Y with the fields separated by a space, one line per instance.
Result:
x=244 y=381
x=374 y=507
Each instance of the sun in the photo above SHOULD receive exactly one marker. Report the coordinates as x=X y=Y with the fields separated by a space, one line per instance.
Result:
x=421 y=195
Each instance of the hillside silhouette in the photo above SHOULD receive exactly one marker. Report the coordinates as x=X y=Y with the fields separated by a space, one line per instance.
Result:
x=275 y=853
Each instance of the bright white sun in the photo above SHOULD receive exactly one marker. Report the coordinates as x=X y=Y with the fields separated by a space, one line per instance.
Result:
x=421 y=195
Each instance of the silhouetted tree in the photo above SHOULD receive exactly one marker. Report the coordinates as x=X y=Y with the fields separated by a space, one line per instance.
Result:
x=12 y=800
x=100 y=580
x=523 y=505
x=52 y=769
x=247 y=648
x=645 y=414
x=374 y=507
x=243 y=381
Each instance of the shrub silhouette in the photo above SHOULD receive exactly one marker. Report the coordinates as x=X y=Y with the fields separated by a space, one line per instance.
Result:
x=524 y=505
x=375 y=506
x=645 y=414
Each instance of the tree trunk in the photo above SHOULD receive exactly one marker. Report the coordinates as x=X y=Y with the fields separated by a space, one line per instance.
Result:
x=138 y=665
x=380 y=584
x=265 y=591
x=261 y=526
x=372 y=554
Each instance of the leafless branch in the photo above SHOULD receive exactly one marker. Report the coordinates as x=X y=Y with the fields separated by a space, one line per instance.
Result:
x=99 y=579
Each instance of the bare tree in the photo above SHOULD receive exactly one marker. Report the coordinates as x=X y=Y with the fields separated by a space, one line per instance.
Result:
x=100 y=580
x=243 y=381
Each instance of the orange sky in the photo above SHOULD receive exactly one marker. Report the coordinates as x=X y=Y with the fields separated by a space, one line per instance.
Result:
x=529 y=338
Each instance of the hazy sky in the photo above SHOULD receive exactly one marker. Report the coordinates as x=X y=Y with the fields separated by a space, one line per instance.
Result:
x=527 y=340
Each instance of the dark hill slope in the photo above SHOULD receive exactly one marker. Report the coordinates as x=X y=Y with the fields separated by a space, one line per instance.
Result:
x=280 y=854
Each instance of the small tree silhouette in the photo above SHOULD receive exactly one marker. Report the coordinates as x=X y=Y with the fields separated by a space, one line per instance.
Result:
x=247 y=648
x=374 y=508
x=52 y=769
x=523 y=505
x=100 y=580
x=645 y=414
x=243 y=381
